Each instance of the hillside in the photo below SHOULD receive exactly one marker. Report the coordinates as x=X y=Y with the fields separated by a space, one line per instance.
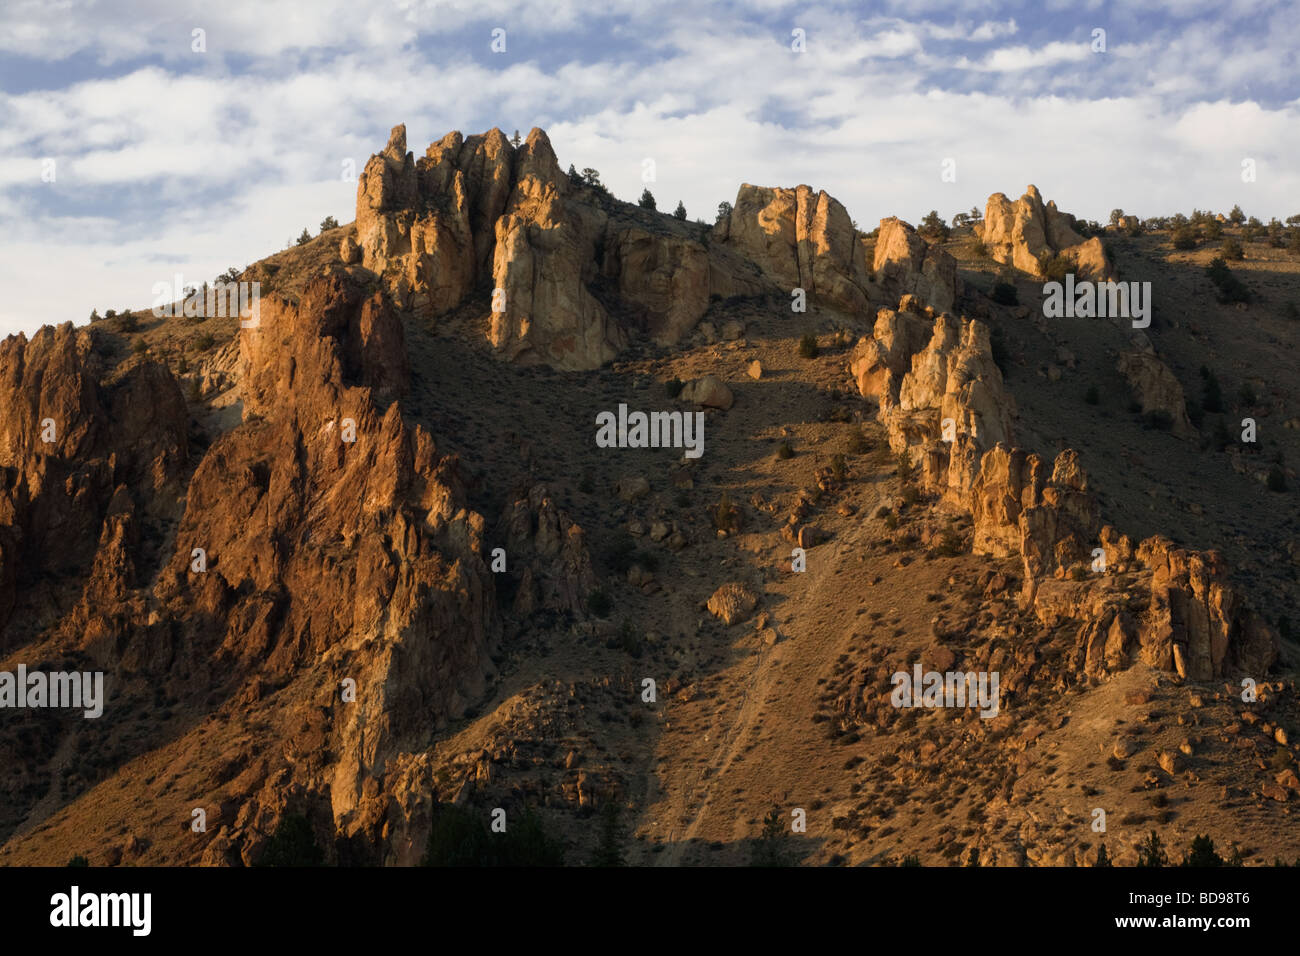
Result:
x=468 y=329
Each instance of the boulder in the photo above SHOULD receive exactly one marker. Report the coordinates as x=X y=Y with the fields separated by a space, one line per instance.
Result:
x=732 y=603
x=709 y=391
x=1157 y=388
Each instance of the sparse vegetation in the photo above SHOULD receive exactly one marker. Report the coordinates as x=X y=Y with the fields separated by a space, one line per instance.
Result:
x=769 y=849
x=460 y=836
x=293 y=844
x=1231 y=289
x=1184 y=238
x=808 y=346
x=1151 y=851
x=1005 y=293
x=599 y=604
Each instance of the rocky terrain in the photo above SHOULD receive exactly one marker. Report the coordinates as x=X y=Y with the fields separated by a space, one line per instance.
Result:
x=361 y=559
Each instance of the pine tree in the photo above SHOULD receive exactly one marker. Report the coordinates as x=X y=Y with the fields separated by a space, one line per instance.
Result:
x=610 y=850
x=767 y=851
x=515 y=140
x=292 y=844
x=1151 y=852
x=647 y=200
x=1202 y=853
x=305 y=237
x=1102 y=858
x=680 y=211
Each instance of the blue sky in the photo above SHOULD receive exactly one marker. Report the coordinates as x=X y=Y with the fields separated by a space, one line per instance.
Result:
x=168 y=159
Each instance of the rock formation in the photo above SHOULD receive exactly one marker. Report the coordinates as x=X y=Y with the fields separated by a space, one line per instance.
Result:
x=1020 y=233
x=806 y=240
x=1155 y=387
x=943 y=403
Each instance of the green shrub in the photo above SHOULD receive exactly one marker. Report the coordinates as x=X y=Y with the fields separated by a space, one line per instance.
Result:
x=292 y=844
x=1211 y=392
x=858 y=444
x=1005 y=293
x=599 y=604
x=459 y=836
x=1159 y=419
x=1184 y=237
x=1054 y=267
x=950 y=544
x=808 y=346
x=727 y=516
x=1202 y=853
x=674 y=387
x=1231 y=250
x=1231 y=289
x=626 y=639
x=1151 y=852
x=784 y=451
x=838 y=470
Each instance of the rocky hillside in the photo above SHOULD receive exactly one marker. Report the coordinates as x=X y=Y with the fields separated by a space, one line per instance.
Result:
x=362 y=560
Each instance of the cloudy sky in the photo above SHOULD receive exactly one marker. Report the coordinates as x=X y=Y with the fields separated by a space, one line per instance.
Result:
x=181 y=152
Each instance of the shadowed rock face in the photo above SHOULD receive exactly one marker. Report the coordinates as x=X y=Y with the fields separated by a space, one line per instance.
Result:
x=1019 y=233
x=115 y=448
x=323 y=538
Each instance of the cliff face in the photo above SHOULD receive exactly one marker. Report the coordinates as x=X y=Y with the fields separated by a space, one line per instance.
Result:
x=944 y=404
x=305 y=571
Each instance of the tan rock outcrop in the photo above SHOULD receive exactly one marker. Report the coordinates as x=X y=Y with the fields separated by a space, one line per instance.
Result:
x=905 y=264
x=733 y=603
x=709 y=391
x=666 y=276
x=544 y=256
x=1019 y=233
x=1157 y=388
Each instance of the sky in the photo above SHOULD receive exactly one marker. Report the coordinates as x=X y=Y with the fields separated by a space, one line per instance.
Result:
x=133 y=148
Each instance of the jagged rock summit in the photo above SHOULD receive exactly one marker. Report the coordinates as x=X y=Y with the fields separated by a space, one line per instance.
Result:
x=1024 y=232
x=479 y=215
